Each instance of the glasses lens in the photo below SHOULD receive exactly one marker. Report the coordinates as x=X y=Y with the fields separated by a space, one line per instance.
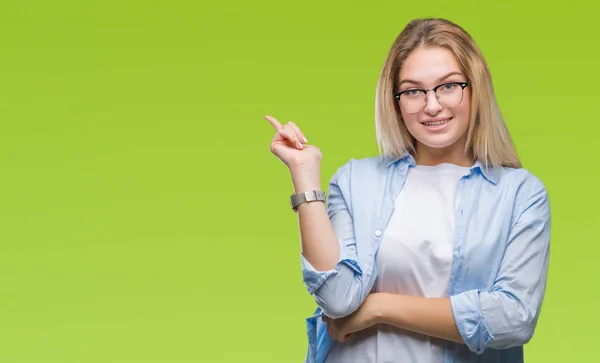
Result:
x=450 y=95
x=412 y=101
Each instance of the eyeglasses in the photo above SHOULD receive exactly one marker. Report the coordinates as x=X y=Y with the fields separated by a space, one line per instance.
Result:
x=414 y=100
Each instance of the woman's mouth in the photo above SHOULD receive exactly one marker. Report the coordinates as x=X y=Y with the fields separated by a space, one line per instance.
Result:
x=436 y=125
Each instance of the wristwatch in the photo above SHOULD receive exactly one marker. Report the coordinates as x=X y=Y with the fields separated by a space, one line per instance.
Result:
x=309 y=196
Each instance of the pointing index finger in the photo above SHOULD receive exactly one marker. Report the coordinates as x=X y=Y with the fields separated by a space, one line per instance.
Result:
x=274 y=122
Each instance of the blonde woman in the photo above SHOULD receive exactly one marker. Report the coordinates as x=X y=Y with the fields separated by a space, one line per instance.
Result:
x=437 y=249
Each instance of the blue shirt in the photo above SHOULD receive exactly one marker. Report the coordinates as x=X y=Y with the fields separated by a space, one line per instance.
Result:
x=500 y=255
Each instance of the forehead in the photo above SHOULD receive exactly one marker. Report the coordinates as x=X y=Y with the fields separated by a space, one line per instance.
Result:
x=428 y=64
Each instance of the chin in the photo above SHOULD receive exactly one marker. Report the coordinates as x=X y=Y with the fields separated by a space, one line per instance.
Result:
x=439 y=142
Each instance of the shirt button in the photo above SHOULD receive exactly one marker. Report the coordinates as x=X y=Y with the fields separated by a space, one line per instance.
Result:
x=368 y=272
x=378 y=233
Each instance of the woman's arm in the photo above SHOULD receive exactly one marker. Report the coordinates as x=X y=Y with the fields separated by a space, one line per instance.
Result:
x=503 y=317
x=506 y=315
x=427 y=316
x=421 y=315
x=320 y=245
x=330 y=268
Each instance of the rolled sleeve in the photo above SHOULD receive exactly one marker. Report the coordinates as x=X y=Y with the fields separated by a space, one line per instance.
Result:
x=313 y=279
x=507 y=315
x=337 y=291
x=470 y=324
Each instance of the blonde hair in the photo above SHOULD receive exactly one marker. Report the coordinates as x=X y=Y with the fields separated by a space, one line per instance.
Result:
x=487 y=137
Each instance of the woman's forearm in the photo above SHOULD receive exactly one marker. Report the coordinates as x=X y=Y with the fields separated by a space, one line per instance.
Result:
x=428 y=316
x=320 y=245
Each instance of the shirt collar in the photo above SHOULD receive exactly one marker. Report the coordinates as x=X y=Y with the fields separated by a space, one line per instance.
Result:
x=405 y=159
x=491 y=174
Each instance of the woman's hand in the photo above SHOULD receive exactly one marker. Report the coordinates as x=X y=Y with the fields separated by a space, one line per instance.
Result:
x=290 y=145
x=344 y=329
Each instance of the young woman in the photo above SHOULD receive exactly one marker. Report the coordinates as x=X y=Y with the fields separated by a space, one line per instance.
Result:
x=437 y=249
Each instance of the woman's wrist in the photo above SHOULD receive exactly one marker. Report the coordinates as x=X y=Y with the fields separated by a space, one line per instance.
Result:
x=306 y=177
x=375 y=310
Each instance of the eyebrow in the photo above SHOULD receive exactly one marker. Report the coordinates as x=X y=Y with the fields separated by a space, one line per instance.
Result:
x=437 y=80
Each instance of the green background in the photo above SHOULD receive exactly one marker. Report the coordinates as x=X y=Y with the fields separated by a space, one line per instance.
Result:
x=142 y=216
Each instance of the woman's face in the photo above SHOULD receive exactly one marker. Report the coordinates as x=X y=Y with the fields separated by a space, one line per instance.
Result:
x=442 y=121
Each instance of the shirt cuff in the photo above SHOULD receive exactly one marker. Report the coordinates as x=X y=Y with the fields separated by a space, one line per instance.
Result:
x=314 y=279
x=470 y=324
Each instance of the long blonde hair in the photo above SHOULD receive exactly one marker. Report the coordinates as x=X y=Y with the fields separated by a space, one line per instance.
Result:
x=488 y=138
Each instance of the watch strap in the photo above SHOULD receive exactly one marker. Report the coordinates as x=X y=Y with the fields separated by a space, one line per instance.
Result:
x=308 y=196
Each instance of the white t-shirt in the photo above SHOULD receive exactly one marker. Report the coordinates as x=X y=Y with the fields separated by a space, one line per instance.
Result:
x=414 y=258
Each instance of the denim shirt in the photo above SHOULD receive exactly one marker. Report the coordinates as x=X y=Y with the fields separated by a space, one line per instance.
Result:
x=499 y=261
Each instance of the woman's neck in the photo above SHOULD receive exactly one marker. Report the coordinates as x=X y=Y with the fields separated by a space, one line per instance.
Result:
x=453 y=154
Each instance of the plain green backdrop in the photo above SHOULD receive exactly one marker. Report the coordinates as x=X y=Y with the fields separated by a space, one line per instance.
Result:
x=142 y=216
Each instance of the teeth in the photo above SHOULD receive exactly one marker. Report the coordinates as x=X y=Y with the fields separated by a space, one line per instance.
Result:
x=436 y=123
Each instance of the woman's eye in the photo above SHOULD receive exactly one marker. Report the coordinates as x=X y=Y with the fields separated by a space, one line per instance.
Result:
x=449 y=87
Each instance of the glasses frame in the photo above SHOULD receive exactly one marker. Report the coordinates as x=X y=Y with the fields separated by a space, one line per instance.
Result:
x=462 y=85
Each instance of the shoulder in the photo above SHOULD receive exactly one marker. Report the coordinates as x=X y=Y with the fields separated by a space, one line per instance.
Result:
x=358 y=183
x=526 y=188
x=366 y=169
x=523 y=180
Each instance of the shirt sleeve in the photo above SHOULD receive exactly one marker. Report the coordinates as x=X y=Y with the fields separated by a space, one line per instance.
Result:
x=506 y=315
x=337 y=291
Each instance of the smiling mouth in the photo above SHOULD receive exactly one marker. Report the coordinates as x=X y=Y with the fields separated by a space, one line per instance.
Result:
x=437 y=123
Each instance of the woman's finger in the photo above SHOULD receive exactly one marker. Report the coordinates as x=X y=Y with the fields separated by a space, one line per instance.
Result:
x=288 y=135
x=331 y=331
x=299 y=132
x=276 y=124
x=327 y=322
x=290 y=128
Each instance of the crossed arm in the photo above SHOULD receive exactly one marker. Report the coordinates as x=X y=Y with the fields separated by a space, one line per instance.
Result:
x=426 y=316
x=502 y=317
